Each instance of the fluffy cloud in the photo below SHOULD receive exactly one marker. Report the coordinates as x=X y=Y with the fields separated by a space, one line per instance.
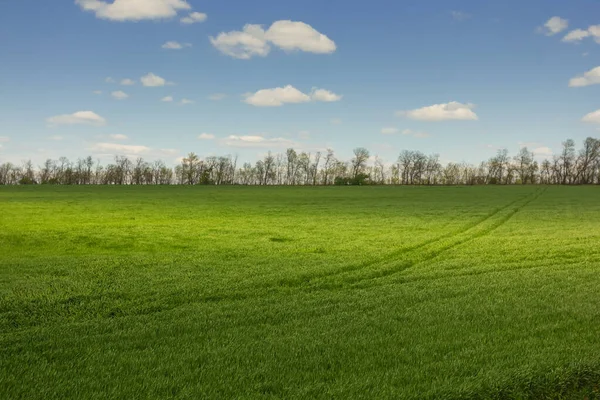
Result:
x=292 y=35
x=257 y=142
x=80 y=117
x=109 y=80
x=593 y=117
x=118 y=136
x=288 y=94
x=336 y=121
x=389 y=131
x=579 y=34
x=277 y=97
x=175 y=45
x=134 y=10
x=217 y=96
x=324 y=95
x=57 y=138
x=591 y=77
x=206 y=136
x=152 y=80
x=186 y=101
x=442 y=112
x=167 y=99
x=193 y=18
x=97 y=92
x=242 y=44
x=576 y=35
x=119 y=148
x=127 y=82
x=4 y=139
x=595 y=32
x=554 y=25
x=287 y=35
x=119 y=95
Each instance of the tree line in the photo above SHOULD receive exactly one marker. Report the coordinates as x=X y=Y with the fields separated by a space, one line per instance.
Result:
x=570 y=167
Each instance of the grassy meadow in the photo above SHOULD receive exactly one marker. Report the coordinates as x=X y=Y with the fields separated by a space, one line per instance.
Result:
x=299 y=292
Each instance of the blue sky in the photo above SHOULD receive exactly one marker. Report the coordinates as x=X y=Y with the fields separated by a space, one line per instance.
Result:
x=457 y=78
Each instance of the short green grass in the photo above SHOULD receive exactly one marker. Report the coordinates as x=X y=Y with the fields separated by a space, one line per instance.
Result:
x=333 y=292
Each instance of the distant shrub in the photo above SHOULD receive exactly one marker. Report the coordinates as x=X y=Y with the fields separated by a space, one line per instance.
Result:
x=26 y=181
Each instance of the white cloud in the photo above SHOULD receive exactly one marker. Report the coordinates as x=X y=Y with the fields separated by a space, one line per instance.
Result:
x=593 y=117
x=389 y=131
x=97 y=92
x=293 y=35
x=109 y=80
x=119 y=95
x=127 y=82
x=243 y=45
x=186 y=101
x=277 y=97
x=118 y=136
x=80 y=117
x=442 y=112
x=217 y=96
x=56 y=137
x=553 y=26
x=595 y=32
x=167 y=99
x=257 y=142
x=287 y=35
x=542 y=151
x=335 y=121
x=576 y=35
x=152 y=80
x=579 y=34
x=134 y=10
x=206 y=136
x=4 y=139
x=591 y=77
x=288 y=94
x=324 y=95
x=459 y=15
x=194 y=17
x=119 y=148
x=175 y=45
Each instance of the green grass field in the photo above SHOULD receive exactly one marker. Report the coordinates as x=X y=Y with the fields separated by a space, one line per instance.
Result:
x=316 y=292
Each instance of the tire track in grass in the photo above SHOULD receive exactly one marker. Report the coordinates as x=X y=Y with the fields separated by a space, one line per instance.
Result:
x=466 y=273
x=393 y=256
x=366 y=272
x=426 y=251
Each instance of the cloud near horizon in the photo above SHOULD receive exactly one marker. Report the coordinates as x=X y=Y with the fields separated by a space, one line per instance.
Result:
x=593 y=117
x=257 y=141
x=452 y=111
x=77 y=118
